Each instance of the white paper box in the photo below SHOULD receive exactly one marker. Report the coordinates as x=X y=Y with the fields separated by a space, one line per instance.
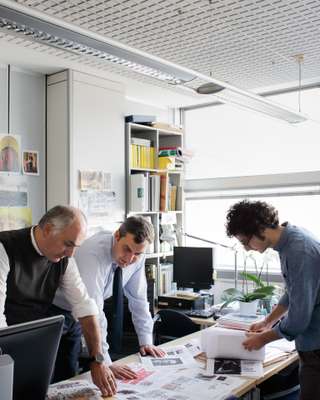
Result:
x=227 y=343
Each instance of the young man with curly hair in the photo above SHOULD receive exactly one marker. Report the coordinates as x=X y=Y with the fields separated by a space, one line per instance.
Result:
x=256 y=225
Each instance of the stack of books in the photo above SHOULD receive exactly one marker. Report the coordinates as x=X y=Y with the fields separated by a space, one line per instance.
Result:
x=142 y=153
x=238 y=321
x=145 y=192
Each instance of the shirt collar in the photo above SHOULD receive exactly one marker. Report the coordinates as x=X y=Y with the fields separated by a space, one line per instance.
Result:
x=283 y=237
x=33 y=240
x=114 y=263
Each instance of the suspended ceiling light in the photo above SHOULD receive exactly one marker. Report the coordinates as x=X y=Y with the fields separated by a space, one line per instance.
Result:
x=45 y=29
x=209 y=88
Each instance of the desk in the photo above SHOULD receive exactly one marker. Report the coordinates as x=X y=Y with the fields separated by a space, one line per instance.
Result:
x=248 y=383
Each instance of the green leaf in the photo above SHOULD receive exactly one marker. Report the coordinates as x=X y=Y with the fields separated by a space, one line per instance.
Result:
x=252 y=278
x=231 y=292
x=255 y=296
x=266 y=290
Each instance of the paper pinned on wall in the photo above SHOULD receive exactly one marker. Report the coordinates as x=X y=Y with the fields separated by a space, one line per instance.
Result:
x=94 y=180
x=10 y=153
x=15 y=218
x=9 y=198
x=95 y=203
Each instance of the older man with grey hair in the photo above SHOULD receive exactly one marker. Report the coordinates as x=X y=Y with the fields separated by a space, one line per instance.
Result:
x=34 y=262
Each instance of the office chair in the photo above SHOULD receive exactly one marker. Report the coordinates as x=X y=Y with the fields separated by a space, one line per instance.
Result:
x=172 y=324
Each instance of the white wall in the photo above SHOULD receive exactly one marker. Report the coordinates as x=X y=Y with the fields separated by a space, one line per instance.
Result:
x=90 y=112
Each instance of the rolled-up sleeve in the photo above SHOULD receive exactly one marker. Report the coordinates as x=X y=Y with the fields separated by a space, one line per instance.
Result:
x=303 y=295
x=284 y=300
x=136 y=292
x=4 y=271
x=76 y=292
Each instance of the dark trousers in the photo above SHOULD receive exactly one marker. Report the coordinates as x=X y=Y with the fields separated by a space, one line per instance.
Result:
x=309 y=375
x=66 y=365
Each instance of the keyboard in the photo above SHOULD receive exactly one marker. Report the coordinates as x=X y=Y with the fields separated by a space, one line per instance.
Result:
x=200 y=313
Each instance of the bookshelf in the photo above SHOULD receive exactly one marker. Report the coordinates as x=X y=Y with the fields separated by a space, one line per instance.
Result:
x=155 y=193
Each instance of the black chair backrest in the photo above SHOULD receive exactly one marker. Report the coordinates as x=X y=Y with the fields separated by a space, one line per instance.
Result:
x=174 y=324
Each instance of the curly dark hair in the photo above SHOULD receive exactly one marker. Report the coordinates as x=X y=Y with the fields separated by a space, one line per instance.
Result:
x=138 y=226
x=251 y=218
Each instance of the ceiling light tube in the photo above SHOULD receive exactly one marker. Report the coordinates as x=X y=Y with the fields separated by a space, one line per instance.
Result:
x=51 y=31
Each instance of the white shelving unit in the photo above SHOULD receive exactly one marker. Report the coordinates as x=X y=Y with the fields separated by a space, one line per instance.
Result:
x=159 y=138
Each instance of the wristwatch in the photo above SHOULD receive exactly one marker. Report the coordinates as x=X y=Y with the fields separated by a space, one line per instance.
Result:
x=98 y=358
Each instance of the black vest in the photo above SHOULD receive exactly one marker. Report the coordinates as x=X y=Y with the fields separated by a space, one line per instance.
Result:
x=32 y=280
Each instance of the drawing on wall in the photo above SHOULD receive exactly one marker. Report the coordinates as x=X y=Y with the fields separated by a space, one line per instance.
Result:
x=97 y=203
x=15 y=218
x=94 y=180
x=10 y=198
x=10 y=153
x=13 y=191
x=30 y=162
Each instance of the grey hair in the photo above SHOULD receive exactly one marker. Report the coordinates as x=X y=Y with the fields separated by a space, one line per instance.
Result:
x=61 y=217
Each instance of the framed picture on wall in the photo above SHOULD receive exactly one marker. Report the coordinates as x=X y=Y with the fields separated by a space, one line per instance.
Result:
x=30 y=162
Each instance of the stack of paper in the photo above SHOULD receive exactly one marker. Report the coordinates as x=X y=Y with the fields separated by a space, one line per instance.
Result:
x=278 y=350
x=238 y=321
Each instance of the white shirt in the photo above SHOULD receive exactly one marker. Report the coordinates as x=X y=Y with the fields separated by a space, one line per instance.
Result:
x=96 y=266
x=71 y=285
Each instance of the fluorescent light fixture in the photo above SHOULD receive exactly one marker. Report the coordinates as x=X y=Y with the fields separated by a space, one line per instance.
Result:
x=39 y=27
x=58 y=36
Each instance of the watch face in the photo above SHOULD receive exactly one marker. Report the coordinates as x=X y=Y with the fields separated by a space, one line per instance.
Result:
x=99 y=358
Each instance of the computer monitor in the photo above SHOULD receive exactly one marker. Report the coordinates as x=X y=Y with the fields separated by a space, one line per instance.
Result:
x=33 y=347
x=193 y=267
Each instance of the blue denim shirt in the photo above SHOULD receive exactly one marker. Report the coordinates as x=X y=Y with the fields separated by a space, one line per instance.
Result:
x=299 y=253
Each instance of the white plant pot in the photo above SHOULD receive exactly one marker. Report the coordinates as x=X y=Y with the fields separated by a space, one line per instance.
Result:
x=248 y=308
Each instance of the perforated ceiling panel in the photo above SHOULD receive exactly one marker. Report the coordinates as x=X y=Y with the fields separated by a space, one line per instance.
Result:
x=248 y=43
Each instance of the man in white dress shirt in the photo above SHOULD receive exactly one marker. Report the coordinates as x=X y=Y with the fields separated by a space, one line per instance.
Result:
x=34 y=262
x=97 y=260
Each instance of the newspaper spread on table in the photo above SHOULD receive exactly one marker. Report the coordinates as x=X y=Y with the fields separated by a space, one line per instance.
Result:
x=183 y=384
x=174 y=380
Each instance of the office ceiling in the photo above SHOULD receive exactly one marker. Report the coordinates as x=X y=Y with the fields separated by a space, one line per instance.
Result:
x=250 y=44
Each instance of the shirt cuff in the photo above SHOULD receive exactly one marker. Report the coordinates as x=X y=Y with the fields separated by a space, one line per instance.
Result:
x=145 y=339
x=85 y=309
x=3 y=322
x=107 y=359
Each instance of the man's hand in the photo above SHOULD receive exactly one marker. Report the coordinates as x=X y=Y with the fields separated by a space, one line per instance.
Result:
x=123 y=372
x=259 y=326
x=151 y=350
x=103 y=377
x=254 y=341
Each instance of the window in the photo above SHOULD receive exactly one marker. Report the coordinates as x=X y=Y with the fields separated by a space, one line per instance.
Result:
x=230 y=142
x=206 y=218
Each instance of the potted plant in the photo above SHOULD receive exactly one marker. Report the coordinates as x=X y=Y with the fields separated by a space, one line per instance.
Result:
x=248 y=298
